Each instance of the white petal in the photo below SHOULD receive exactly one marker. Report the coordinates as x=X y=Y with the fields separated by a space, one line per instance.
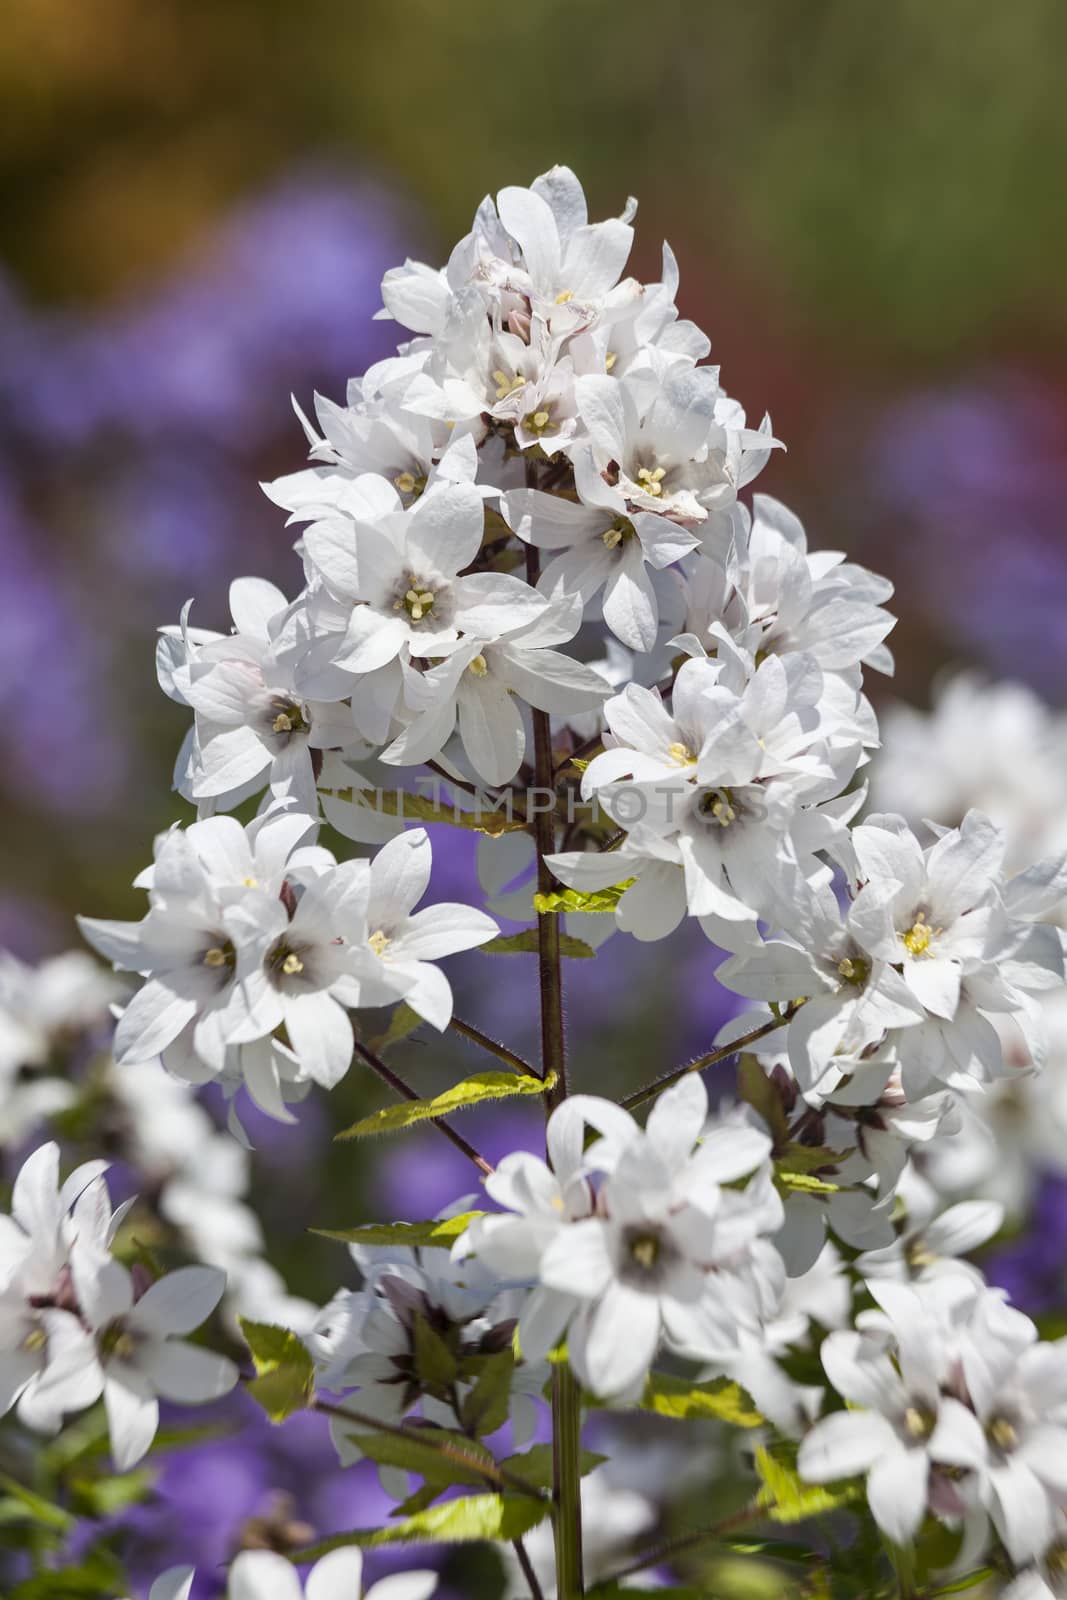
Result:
x=132 y=1414
x=843 y=1444
x=896 y=1492
x=179 y=1302
x=577 y=1262
x=185 y=1373
x=262 y=1575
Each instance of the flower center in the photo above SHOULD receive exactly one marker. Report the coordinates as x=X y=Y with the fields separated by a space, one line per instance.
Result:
x=717 y=807
x=35 y=1340
x=651 y=480
x=620 y=532
x=289 y=717
x=506 y=385
x=417 y=600
x=645 y=1249
x=537 y=421
x=1003 y=1433
x=680 y=754
x=379 y=942
x=220 y=955
x=478 y=666
x=917 y=939
x=918 y=1423
x=408 y=483
x=563 y=296
x=115 y=1341
x=284 y=962
x=854 y=970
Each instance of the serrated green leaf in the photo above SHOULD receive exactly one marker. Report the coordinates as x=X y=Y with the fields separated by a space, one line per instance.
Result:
x=576 y=900
x=435 y=1365
x=758 y=1091
x=285 y=1374
x=422 y=808
x=485 y=1406
x=675 y=1397
x=471 y=1092
x=436 y=1454
x=787 y=1497
x=534 y=1466
x=808 y=1158
x=527 y=943
x=436 y=1233
x=402 y=1024
x=496 y=1517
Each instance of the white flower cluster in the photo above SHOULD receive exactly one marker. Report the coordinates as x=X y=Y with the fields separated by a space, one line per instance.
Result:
x=75 y=1324
x=253 y=929
x=263 y=1575
x=644 y=1239
x=545 y=476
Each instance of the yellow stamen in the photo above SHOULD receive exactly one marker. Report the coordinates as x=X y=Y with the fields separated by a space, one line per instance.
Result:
x=917 y=939
x=610 y=360
x=215 y=957
x=405 y=482
x=651 y=480
x=283 y=723
x=379 y=942
x=853 y=970
x=35 y=1340
x=540 y=420
x=506 y=385
x=563 y=296
x=681 y=755
x=292 y=965
x=645 y=1251
x=1003 y=1433
x=479 y=666
x=918 y=1424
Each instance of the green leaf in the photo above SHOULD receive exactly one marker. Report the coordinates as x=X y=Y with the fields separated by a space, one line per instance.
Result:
x=285 y=1379
x=807 y=1183
x=31 y=1507
x=501 y=1518
x=471 y=1092
x=808 y=1158
x=787 y=1497
x=972 y=1580
x=485 y=1406
x=402 y=1023
x=112 y=1492
x=534 y=1466
x=576 y=900
x=527 y=943
x=758 y=1091
x=435 y=1365
x=422 y=808
x=439 y=1456
x=675 y=1397
x=436 y=1233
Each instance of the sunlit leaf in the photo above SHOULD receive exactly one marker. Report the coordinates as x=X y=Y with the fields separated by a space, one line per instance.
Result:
x=471 y=1092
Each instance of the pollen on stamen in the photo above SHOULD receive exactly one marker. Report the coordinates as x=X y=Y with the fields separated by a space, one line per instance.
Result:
x=215 y=957
x=478 y=667
x=651 y=480
x=405 y=482
x=506 y=385
x=680 y=754
x=292 y=965
x=563 y=296
x=379 y=942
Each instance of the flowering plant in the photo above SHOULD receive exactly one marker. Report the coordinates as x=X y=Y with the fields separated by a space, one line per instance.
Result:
x=530 y=578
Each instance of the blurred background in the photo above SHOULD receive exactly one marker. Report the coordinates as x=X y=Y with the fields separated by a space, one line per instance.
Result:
x=198 y=201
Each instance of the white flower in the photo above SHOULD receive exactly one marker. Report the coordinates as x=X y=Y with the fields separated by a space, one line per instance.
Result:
x=401 y=579
x=263 y=1575
x=139 y=1354
x=903 y=1425
x=253 y=724
x=605 y=547
x=401 y=944
x=480 y=685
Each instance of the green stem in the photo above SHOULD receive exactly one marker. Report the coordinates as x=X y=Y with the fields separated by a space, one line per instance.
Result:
x=668 y=1548
x=566 y=1398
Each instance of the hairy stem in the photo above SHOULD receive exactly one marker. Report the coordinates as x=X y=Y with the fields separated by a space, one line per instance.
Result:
x=406 y=1092
x=713 y=1057
x=566 y=1399
x=667 y=1548
x=494 y=1047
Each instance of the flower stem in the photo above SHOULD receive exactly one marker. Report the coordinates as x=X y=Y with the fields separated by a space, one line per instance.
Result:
x=566 y=1398
x=666 y=1549
x=657 y=1085
x=501 y=1051
x=406 y=1092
